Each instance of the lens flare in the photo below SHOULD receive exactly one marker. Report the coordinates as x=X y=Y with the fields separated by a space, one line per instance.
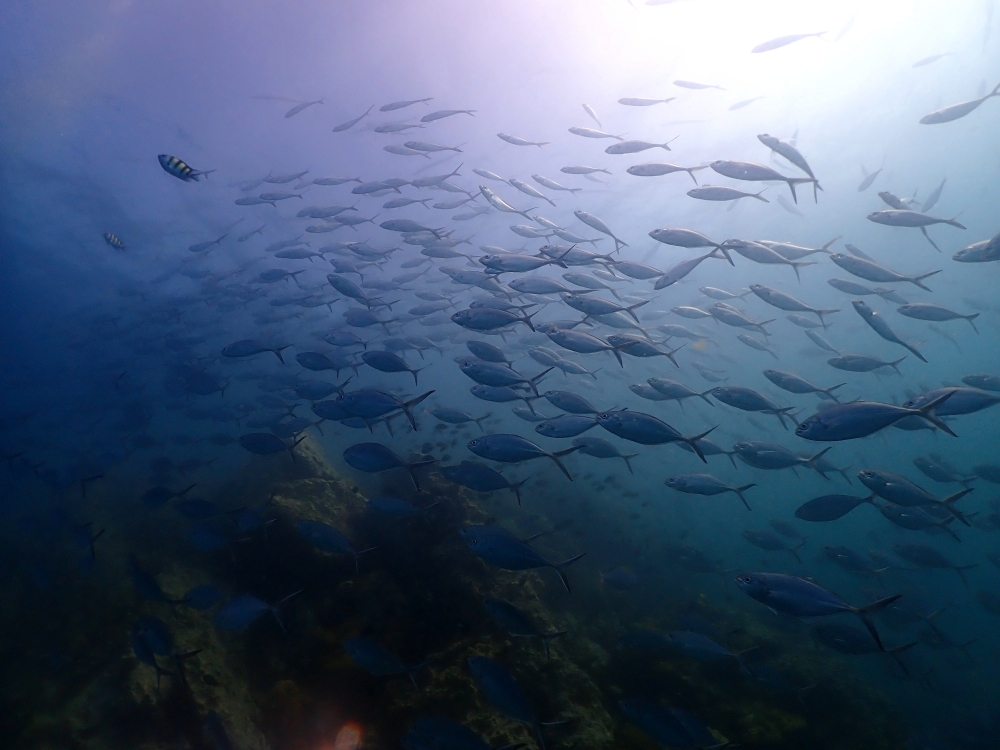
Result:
x=348 y=737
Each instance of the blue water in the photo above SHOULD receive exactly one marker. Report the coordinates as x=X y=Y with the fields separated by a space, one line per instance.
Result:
x=114 y=379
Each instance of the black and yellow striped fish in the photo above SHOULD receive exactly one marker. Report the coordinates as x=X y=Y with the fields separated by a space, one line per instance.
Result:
x=180 y=170
x=112 y=239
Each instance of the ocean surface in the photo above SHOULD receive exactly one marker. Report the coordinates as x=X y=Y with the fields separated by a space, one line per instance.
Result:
x=454 y=375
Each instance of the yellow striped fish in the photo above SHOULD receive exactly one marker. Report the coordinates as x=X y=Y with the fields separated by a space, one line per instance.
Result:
x=180 y=170
x=112 y=239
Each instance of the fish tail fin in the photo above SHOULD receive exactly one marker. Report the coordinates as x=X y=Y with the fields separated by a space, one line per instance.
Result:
x=949 y=501
x=960 y=568
x=829 y=244
x=416 y=465
x=533 y=382
x=691 y=172
x=559 y=454
x=627 y=462
x=759 y=196
x=896 y=362
x=953 y=221
x=732 y=460
x=821 y=313
x=704 y=397
x=795 y=550
x=811 y=463
x=923 y=231
x=739 y=492
x=927 y=412
x=632 y=308
x=357 y=568
x=527 y=402
x=866 y=611
x=276 y=609
x=916 y=352
x=972 y=318
x=796 y=265
x=672 y=352
x=693 y=442
x=561 y=569
x=918 y=279
x=291 y=448
x=829 y=391
x=516 y=489
x=895 y=652
x=415 y=670
x=546 y=637
x=480 y=421
x=187 y=489
x=278 y=351
x=407 y=407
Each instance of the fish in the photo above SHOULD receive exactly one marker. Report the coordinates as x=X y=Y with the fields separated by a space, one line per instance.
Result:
x=517 y=624
x=515 y=141
x=480 y=478
x=957 y=111
x=800 y=597
x=869 y=177
x=634 y=147
x=746 y=399
x=668 y=727
x=750 y=171
x=591 y=133
x=658 y=169
x=584 y=170
x=646 y=429
x=767 y=540
x=457 y=416
x=899 y=490
x=793 y=383
x=373 y=458
x=745 y=103
x=934 y=197
x=388 y=362
x=925 y=556
x=682 y=269
x=705 y=484
x=393 y=106
x=509 y=448
x=932 y=312
x=241 y=611
x=784 y=41
x=114 y=242
x=344 y=126
x=827 y=508
x=879 y=325
x=174 y=166
x=379 y=661
x=326 y=538
x=442 y=113
x=862 y=363
x=961 y=400
x=770 y=456
x=786 y=302
x=504 y=550
x=872 y=271
x=639 y=102
x=862 y=418
x=718 y=193
x=267 y=444
x=696 y=86
x=595 y=223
